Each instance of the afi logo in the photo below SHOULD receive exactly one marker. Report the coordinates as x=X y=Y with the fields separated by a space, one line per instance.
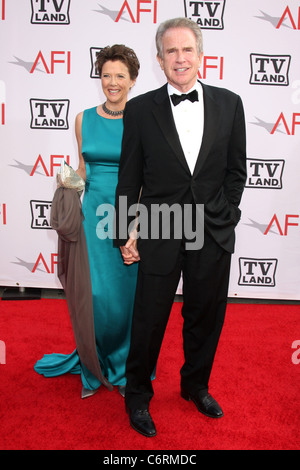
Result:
x=283 y=124
x=56 y=57
x=41 y=261
x=282 y=120
x=257 y=272
x=294 y=21
x=269 y=69
x=142 y=6
x=49 y=114
x=264 y=174
x=3 y=214
x=50 y=11
x=2 y=114
x=211 y=63
x=55 y=161
x=40 y=212
x=2 y=102
x=283 y=227
x=207 y=14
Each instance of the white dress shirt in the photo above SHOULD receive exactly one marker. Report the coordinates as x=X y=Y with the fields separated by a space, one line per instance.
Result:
x=189 y=121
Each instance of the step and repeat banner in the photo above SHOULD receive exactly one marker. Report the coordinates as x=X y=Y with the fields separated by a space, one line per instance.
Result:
x=47 y=76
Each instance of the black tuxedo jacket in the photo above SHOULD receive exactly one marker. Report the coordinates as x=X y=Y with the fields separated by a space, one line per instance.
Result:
x=153 y=167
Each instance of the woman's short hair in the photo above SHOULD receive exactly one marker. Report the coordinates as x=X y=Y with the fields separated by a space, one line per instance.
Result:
x=178 y=23
x=118 y=52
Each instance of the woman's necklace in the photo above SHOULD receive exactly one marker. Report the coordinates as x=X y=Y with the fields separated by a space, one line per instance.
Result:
x=111 y=113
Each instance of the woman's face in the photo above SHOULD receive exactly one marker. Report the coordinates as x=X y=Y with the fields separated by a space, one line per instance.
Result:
x=116 y=82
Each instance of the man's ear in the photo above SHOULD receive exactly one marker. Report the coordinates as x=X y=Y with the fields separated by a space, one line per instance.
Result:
x=160 y=61
x=200 y=59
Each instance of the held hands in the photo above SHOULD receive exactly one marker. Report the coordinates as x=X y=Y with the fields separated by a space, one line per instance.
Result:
x=129 y=251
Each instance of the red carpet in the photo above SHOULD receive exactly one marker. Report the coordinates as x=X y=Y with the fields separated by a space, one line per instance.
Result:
x=254 y=380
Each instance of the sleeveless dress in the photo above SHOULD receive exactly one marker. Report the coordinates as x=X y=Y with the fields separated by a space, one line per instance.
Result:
x=113 y=283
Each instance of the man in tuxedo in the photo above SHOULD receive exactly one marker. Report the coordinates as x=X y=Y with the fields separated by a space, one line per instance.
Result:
x=188 y=152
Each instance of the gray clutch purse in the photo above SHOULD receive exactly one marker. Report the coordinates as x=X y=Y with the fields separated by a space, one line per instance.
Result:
x=68 y=178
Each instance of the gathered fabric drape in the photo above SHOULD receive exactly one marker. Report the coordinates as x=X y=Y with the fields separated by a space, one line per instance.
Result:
x=73 y=271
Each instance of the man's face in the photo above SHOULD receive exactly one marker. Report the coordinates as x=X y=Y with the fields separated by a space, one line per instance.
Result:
x=180 y=61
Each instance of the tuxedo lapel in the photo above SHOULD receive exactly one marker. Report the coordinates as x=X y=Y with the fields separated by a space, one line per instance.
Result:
x=164 y=116
x=210 y=131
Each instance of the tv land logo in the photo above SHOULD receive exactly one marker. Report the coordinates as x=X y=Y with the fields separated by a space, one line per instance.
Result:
x=264 y=174
x=257 y=272
x=48 y=12
x=40 y=214
x=93 y=53
x=49 y=114
x=269 y=69
x=207 y=14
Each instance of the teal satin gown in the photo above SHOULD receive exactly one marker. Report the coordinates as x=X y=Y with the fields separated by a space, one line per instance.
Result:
x=113 y=283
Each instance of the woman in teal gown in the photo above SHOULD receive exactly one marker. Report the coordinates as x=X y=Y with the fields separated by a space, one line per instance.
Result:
x=99 y=134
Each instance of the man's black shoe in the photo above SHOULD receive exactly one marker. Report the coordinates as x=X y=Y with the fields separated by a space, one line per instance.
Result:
x=205 y=404
x=142 y=422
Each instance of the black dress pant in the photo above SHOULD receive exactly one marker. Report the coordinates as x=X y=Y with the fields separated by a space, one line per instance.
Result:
x=205 y=287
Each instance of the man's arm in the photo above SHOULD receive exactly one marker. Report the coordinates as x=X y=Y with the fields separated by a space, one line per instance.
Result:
x=129 y=186
x=236 y=164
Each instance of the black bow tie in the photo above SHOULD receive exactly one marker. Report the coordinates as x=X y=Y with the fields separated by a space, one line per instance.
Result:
x=193 y=96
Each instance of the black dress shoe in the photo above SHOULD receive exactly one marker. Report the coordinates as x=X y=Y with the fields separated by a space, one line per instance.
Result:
x=205 y=404
x=142 y=422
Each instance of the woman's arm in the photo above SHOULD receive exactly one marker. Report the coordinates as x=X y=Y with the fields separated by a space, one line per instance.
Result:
x=81 y=167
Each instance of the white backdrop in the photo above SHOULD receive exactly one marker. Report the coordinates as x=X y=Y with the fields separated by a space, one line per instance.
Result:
x=47 y=77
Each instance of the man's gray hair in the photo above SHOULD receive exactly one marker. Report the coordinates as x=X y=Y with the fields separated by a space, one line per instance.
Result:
x=178 y=23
